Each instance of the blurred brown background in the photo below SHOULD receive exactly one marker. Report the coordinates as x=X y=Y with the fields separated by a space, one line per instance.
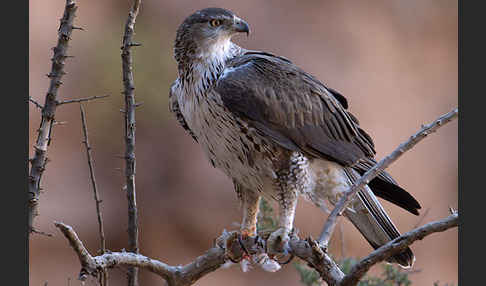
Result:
x=395 y=61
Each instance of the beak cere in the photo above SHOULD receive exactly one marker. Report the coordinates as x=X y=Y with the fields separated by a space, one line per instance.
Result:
x=241 y=26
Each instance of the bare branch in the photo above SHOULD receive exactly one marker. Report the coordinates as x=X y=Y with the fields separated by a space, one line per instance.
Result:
x=226 y=246
x=129 y=88
x=310 y=251
x=104 y=277
x=395 y=246
x=39 y=160
x=79 y=100
x=380 y=166
x=93 y=180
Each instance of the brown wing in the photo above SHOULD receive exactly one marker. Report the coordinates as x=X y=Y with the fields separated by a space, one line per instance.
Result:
x=293 y=108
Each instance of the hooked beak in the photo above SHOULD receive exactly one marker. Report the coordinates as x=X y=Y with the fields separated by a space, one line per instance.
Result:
x=241 y=26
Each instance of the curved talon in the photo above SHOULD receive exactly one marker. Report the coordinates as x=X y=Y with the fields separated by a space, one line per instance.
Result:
x=242 y=245
x=232 y=260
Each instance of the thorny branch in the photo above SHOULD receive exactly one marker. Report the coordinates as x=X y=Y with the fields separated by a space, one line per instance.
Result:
x=227 y=246
x=95 y=188
x=129 y=88
x=380 y=166
x=39 y=161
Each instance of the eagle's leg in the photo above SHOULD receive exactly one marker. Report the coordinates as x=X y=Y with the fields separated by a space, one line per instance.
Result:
x=278 y=241
x=250 y=201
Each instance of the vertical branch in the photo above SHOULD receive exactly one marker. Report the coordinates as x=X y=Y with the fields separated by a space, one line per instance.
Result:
x=104 y=277
x=39 y=161
x=130 y=105
x=93 y=180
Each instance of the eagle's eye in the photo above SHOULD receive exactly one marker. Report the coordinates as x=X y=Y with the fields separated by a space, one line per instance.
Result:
x=215 y=22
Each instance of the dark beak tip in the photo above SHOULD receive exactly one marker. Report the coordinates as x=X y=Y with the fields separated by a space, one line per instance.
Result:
x=242 y=27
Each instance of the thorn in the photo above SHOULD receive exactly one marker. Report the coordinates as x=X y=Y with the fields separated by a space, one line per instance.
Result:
x=77 y=28
x=138 y=104
x=123 y=111
x=134 y=44
x=60 y=122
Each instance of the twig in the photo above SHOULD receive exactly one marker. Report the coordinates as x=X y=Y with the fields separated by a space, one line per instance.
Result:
x=373 y=172
x=38 y=105
x=395 y=246
x=95 y=189
x=129 y=88
x=81 y=99
x=39 y=160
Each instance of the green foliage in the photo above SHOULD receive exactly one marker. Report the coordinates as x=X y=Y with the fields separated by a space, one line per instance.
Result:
x=266 y=217
x=436 y=283
x=308 y=276
x=391 y=275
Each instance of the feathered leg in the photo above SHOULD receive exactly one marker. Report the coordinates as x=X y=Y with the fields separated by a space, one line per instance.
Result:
x=287 y=201
x=250 y=201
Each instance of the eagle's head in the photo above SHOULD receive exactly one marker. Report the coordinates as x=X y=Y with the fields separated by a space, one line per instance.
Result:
x=207 y=34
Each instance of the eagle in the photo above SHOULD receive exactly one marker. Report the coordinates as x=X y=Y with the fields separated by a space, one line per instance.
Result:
x=276 y=131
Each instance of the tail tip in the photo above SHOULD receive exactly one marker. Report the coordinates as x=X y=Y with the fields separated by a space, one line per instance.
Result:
x=405 y=259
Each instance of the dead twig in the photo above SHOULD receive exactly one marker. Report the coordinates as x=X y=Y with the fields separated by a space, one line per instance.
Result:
x=38 y=162
x=380 y=166
x=129 y=88
x=95 y=189
x=79 y=100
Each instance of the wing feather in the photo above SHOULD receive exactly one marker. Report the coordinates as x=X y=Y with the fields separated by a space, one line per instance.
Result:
x=293 y=108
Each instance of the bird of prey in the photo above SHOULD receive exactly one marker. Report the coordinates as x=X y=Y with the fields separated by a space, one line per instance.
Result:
x=276 y=131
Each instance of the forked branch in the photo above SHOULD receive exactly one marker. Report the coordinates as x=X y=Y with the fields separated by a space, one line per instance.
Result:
x=228 y=246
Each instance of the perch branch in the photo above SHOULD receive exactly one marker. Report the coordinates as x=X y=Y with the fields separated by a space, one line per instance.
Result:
x=380 y=166
x=38 y=162
x=226 y=246
x=229 y=247
x=129 y=88
x=81 y=99
x=395 y=246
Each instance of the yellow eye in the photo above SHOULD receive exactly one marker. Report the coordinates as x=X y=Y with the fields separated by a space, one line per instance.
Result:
x=215 y=22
